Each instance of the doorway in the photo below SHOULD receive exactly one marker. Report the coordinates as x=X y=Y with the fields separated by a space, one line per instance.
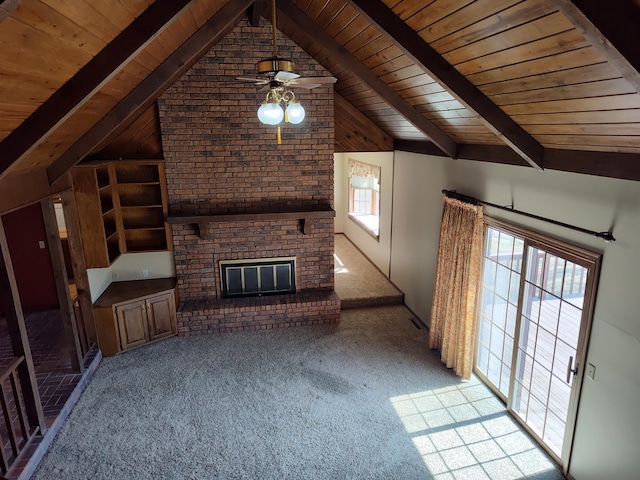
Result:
x=61 y=341
x=535 y=315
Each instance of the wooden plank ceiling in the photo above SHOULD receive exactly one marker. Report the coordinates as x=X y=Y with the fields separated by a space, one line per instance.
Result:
x=527 y=57
x=527 y=82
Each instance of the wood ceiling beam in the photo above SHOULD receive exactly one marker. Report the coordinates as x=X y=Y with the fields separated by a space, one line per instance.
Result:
x=311 y=30
x=8 y=7
x=416 y=146
x=88 y=80
x=612 y=28
x=603 y=164
x=625 y=166
x=256 y=11
x=141 y=97
x=412 y=45
x=22 y=189
x=483 y=153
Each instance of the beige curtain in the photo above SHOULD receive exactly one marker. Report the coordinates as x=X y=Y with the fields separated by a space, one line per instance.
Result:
x=453 y=311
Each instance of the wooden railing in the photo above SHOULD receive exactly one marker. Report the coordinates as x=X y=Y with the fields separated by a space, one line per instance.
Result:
x=15 y=432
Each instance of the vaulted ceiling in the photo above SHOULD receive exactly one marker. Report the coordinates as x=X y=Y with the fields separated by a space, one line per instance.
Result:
x=539 y=83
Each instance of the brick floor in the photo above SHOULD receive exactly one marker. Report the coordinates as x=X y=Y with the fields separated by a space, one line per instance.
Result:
x=55 y=376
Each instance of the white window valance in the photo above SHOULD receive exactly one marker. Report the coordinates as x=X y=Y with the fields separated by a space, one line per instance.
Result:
x=361 y=169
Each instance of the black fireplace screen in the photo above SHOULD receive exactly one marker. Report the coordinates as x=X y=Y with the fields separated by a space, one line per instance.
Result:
x=252 y=278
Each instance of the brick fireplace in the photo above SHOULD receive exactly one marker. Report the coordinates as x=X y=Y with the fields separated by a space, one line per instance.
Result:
x=261 y=199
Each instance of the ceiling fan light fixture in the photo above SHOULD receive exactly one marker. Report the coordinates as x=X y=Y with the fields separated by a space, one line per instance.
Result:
x=274 y=65
x=295 y=112
x=270 y=113
x=281 y=103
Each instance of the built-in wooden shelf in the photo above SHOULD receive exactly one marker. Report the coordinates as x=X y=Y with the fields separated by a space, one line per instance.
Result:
x=122 y=208
x=305 y=219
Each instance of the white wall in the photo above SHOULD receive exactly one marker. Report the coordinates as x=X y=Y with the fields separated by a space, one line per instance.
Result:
x=130 y=266
x=417 y=212
x=607 y=438
x=377 y=251
x=340 y=190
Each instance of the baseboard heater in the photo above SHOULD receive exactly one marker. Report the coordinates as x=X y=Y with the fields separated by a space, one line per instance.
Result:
x=254 y=278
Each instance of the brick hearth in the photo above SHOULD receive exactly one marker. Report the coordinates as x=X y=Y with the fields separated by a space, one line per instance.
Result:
x=221 y=160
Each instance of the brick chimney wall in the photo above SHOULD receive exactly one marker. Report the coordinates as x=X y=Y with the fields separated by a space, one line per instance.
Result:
x=221 y=160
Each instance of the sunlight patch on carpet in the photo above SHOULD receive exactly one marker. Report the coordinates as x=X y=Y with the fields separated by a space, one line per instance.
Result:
x=463 y=431
x=339 y=266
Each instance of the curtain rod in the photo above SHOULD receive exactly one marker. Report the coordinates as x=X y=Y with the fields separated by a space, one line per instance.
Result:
x=606 y=236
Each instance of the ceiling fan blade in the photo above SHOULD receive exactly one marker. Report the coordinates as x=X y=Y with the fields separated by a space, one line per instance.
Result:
x=324 y=79
x=312 y=82
x=257 y=81
x=308 y=86
x=285 y=76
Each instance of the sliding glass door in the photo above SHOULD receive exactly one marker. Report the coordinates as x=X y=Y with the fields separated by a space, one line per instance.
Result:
x=498 y=310
x=535 y=313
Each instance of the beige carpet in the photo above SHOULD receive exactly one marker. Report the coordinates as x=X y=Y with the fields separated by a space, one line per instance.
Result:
x=363 y=399
x=358 y=282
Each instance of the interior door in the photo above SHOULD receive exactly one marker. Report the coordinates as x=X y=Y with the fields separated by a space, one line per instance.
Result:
x=535 y=314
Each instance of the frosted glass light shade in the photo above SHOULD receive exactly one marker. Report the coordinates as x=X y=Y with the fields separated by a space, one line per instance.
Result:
x=270 y=113
x=295 y=112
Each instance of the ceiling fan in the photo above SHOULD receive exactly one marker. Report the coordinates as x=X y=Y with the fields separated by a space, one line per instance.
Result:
x=277 y=72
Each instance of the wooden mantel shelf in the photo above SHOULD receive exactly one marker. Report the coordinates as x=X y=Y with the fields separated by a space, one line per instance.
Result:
x=203 y=221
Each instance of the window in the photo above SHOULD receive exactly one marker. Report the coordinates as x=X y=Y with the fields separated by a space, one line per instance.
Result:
x=536 y=307
x=364 y=196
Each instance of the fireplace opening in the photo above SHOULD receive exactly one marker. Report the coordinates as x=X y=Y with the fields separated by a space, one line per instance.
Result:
x=254 y=278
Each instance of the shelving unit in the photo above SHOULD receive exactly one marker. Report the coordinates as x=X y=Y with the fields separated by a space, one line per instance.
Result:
x=125 y=209
x=142 y=206
x=109 y=217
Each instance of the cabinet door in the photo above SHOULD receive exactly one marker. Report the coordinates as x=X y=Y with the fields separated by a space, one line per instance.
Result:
x=161 y=316
x=132 y=323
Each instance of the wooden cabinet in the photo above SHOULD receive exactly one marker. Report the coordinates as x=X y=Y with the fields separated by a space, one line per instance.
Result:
x=161 y=316
x=132 y=324
x=122 y=208
x=130 y=314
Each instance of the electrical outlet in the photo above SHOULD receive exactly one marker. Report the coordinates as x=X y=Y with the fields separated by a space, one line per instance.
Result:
x=145 y=273
x=114 y=275
x=590 y=371
x=41 y=244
